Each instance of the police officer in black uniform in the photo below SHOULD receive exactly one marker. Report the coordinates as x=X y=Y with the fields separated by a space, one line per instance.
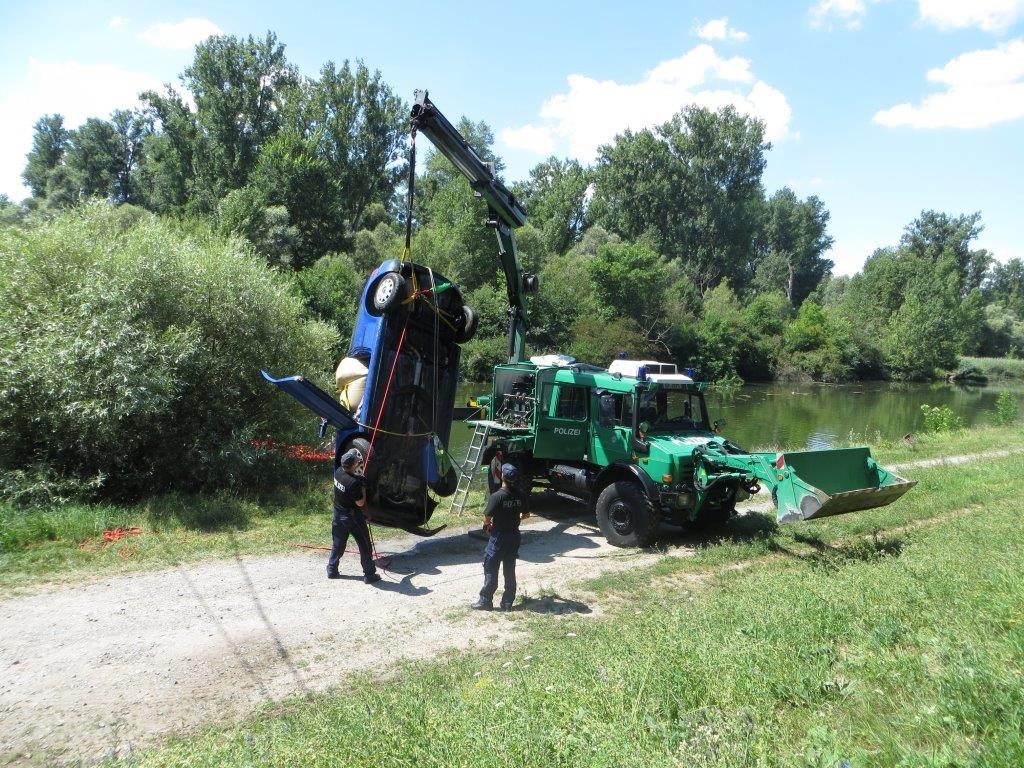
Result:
x=349 y=497
x=505 y=508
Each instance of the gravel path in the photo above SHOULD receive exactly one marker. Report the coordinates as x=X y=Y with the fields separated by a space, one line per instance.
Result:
x=95 y=670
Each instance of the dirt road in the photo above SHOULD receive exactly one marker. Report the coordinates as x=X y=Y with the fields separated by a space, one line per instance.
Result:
x=96 y=670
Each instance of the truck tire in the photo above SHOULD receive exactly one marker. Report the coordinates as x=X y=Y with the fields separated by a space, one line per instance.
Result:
x=361 y=444
x=386 y=293
x=626 y=516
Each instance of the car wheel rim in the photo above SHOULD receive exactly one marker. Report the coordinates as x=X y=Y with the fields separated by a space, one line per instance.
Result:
x=385 y=291
x=621 y=518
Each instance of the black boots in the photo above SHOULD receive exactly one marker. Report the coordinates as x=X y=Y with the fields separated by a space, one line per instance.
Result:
x=373 y=578
x=481 y=605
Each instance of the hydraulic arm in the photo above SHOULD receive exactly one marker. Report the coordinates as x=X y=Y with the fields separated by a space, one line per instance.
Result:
x=504 y=212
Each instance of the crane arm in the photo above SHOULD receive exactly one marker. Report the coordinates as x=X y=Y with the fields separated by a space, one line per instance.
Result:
x=505 y=213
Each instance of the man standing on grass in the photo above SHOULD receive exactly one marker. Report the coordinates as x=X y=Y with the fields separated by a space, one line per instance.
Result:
x=505 y=508
x=349 y=498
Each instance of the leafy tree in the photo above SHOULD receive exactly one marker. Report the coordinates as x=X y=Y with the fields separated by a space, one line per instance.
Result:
x=245 y=212
x=167 y=169
x=359 y=126
x=1005 y=284
x=240 y=87
x=556 y=199
x=820 y=345
x=709 y=165
x=291 y=173
x=630 y=280
x=944 y=241
x=94 y=158
x=794 y=239
x=921 y=337
x=133 y=126
x=61 y=189
x=49 y=143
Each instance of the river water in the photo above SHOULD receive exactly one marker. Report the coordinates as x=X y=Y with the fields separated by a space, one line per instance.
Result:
x=817 y=415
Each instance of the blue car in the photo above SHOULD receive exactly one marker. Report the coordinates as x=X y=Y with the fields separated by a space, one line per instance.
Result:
x=397 y=384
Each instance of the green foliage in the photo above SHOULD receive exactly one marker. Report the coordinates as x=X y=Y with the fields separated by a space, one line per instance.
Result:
x=794 y=238
x=49 y=143
x=599 y=341
x=709 y=165
x=921 y=338
x=629 y=280
x=131 y=354
x=1007 y=408
x=331 y=289
x=819 y=345
x=941 y=418
x=555 y=196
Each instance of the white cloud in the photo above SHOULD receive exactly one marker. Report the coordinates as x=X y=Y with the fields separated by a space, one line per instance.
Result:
x=719 y=29
x=540 y=141
x=591 y=112
x=74 y=90
x=182 y=35
x=850 y=13
x=982 y=88
x=117 y=22
x=989 y=15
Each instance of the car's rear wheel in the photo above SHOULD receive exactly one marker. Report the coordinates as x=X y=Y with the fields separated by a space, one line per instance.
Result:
x=386 y=293
x=465 y=325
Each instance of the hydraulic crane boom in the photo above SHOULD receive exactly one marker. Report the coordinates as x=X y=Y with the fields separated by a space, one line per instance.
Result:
x=504 y=212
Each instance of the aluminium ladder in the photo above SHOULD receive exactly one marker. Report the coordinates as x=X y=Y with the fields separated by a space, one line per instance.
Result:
x=467 y=472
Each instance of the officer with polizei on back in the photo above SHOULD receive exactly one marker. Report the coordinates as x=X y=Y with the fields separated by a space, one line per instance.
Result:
x=349 y=498
x=505 y=508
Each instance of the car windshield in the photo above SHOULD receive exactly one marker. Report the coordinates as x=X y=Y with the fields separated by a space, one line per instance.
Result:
x=667 y=410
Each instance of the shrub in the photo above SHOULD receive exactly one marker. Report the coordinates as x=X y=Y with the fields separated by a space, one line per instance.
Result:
x=940 y=418
x=1007 y=408
x=131 y=355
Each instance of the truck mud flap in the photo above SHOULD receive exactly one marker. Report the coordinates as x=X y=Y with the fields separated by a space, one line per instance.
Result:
x=815 y=484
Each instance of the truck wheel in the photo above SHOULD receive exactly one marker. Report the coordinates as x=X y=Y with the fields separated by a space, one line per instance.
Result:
x=386 y=293
x=626 y=516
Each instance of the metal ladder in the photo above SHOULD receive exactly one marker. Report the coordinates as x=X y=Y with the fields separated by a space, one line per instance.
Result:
x=467 y=472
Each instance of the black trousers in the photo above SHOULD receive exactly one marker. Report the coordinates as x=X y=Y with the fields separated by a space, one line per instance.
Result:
x=502 y=550
x=345 y=523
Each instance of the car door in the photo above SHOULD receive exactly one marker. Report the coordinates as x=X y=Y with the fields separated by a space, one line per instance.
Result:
x=563 y=429
x=611 y=427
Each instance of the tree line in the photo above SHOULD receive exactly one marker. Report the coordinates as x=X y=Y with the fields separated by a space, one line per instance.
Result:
x=668 y=245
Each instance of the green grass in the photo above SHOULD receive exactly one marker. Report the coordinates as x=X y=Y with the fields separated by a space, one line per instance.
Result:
x=64 y=543
x=996 y=369
x=904 y=647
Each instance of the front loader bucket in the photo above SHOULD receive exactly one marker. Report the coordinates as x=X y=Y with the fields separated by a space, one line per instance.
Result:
x=813 y=484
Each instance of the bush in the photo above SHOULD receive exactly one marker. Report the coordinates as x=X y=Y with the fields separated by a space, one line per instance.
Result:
x=131 y=356
x=940 y=418
x=1007 y=408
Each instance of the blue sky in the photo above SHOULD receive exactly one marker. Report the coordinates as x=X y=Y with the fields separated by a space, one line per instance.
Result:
x=880 y=107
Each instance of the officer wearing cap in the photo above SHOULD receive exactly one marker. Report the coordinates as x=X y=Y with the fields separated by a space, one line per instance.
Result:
x=349 y=497
x=505 y=508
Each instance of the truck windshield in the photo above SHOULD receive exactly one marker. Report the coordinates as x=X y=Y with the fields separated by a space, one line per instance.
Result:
x=669 y=410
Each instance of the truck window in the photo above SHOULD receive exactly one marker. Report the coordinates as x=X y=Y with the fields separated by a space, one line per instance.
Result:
x=570 y=403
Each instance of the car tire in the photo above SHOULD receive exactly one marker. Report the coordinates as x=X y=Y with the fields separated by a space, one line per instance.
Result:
x=465 y=325
x=362 y=445
x=386 y=293
x=626 y=516
x=521 y=483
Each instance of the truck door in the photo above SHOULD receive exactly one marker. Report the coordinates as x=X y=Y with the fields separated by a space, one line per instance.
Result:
x=612 y=426
x=563 y=428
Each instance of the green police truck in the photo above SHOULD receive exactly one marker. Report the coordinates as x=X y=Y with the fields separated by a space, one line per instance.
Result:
x=635 y=440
